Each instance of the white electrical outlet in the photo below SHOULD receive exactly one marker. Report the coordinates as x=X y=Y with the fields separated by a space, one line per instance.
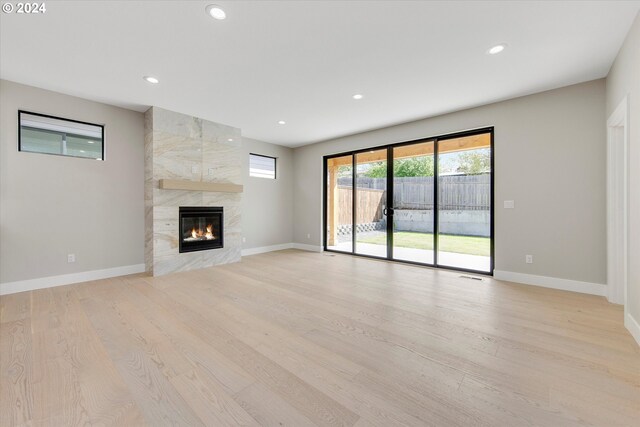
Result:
x=308 y=236
x=244 y=240
x=509 y=204
x=528 y=259
x=194 y=169
x=71 y=258
x=210 y=171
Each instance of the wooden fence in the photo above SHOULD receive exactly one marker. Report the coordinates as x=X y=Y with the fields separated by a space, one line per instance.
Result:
x=369 y=205
x=456 y=192
x=464 y=192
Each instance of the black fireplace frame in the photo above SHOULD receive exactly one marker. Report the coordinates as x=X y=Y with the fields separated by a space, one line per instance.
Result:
x=197 y=211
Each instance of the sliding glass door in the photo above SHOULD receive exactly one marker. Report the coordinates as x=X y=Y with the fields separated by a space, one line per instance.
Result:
x=464 y=202
x=427 y=202
x=338 y=203
x=413 y=202
x=370 y=203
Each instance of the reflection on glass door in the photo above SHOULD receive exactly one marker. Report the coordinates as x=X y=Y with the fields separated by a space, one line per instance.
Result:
x=339 y=202
x=370 y=203
x=413 y=204
x=464 y=202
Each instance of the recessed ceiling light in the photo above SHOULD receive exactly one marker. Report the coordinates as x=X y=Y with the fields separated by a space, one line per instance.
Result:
x=282 y=122
x=82 y=151
x=357 y=96
x=151 y=79
x=215 y=11
x=230 y=139
x=497 y=49
x=89 y=142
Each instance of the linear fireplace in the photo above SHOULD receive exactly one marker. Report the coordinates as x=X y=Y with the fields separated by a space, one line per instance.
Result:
x=200 y=228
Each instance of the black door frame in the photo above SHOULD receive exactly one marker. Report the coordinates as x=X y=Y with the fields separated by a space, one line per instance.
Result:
x=389 y=201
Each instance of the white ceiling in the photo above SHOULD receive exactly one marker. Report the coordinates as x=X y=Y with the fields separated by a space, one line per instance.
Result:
x=302 y=61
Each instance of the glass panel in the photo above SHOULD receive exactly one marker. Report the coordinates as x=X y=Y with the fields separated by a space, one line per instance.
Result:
x=464 y=202
x=339 y=200
x=82 y=146
x=200 y=228
x=262 y=166
x=413 y=191
x=40 y=141
x=371 y=196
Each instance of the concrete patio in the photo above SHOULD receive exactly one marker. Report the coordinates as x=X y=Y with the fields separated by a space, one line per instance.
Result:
x=445 y=259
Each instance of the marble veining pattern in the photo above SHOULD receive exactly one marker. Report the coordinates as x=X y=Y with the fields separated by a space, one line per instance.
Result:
x=178 y=146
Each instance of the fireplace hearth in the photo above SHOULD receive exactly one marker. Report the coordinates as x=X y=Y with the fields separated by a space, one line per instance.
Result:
x=200 y=228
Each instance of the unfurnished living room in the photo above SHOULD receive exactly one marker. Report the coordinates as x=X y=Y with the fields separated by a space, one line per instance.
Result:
x=320 y=213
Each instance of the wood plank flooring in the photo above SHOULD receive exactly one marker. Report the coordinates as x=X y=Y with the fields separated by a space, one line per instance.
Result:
x=295 y=338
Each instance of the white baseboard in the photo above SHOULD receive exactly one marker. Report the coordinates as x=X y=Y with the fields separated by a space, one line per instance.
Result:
x=68 y=279
x=552 y=282
x=263 y=249
x=311 y=248
x=633 y=326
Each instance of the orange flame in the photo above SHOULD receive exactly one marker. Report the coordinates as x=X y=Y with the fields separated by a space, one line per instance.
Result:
x=197 y=233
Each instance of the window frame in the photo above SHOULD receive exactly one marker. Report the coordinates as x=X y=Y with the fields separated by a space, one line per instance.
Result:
x=20 y=150
x=275 y=166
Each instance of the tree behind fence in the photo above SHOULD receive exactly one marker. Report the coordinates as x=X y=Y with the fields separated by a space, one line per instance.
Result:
x=456 y=192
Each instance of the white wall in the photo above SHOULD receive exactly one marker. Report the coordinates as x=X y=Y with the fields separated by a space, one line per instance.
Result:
x=53 y=205
x=550 y=151
x=267 y=205
x=623 y=80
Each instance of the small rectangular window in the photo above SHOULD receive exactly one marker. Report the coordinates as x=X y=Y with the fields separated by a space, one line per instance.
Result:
x=39 y=133
x=262 y=166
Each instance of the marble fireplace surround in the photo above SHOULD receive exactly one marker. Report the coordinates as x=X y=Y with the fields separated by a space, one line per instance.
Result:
x=195 y=153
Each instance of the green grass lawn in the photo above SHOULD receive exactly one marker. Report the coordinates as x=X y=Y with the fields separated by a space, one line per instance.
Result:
x=446 y=242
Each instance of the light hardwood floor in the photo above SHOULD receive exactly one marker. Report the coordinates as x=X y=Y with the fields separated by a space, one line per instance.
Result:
x=298 y=338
